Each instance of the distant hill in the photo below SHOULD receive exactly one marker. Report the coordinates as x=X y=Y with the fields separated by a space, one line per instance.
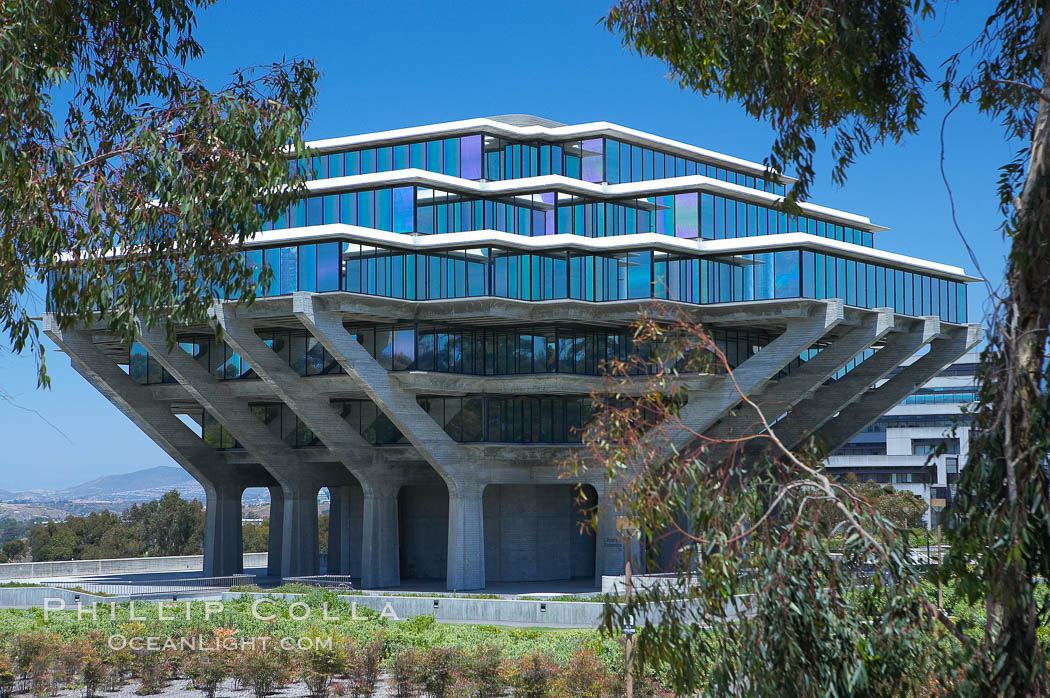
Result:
x=120 y=486
x=137 y=486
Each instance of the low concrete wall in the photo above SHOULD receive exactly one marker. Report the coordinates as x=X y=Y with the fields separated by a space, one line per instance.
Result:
x=614 y=584
x=551 y=614
x=90 y=568
x=34 y=597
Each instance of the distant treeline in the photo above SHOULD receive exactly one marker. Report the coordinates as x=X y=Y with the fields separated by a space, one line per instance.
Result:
x=170 y=525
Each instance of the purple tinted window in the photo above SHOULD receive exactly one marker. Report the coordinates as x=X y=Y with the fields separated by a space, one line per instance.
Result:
x=686 y=218
x=592 y=160
x=470 y=153
x=547 y=206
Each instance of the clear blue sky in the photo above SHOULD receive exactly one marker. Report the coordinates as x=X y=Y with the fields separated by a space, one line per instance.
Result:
x=392 y=64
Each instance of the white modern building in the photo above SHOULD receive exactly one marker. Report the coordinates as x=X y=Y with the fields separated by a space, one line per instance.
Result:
x=899 y=448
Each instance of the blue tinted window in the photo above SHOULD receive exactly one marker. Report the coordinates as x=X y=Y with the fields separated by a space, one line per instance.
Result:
x=612 y=161
x=384 y=160
x=451 y=164
x=307 y=268
x=434 y=156
x=786 y=283
x=289 y=269
x=368 y=161
x=404 y=200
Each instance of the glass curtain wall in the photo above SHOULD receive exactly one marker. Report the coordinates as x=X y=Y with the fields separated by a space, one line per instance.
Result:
x=688 y=215
x=497 y=158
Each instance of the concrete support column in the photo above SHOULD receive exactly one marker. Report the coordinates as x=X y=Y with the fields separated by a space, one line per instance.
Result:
x=466 y=538
x=275 y=542
x=609 y=545
x=381 y=543
x=299 y=552
x=223 y=545
x=339 y=530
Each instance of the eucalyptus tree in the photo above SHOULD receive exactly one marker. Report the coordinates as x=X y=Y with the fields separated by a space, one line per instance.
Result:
x=847 y=70
x=110 y=147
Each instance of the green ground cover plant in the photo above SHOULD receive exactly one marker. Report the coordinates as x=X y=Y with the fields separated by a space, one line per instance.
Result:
x=57 y=651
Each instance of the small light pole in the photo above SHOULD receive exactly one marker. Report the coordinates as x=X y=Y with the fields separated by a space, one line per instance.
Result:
x=938 y=505
x=627 y=534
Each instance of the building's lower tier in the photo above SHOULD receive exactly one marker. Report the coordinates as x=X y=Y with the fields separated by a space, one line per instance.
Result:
x=436 y=506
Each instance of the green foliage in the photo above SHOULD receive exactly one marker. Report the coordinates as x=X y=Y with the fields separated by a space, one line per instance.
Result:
x=14 y=550
x=170 y=525
x=532 y=676
x=760 y=54
x=584 y=677
x=402 y=670
x=207 y=670
x=143 y=160
x=481 y=676
x=437 y=670
x=814 y=67
x=323 y=661
x=322 y=532
x=256 y=537
x=152 y=670
x=94 y=672
x=902 y=508
x=7 y=677
x=11 y=530
x=364 y=661
x=262 y=668
x=488 y=653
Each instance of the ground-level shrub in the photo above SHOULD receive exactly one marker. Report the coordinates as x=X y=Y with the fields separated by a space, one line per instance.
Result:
x=363 y=665
x=584 y=676
x=93 y=673
x=437 y=671
x=262 y=668
x=321 y=663
x=7 y=677
x=402 y=670
x=531 y=676
x=207 y=671
x=153 y=669
x=481 y=674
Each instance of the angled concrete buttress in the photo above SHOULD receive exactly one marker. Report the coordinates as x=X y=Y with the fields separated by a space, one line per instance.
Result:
x=707 y=407
x=466 y=540
x=829 y=398
x=300 y=481
x=779 y=397
x=378 y=480
x=944 y=350
x=223 y=483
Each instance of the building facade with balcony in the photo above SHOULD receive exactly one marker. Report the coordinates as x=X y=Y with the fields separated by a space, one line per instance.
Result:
x=442 y=301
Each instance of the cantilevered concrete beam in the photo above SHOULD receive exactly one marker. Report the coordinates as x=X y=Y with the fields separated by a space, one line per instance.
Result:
x=223 y=483
x=778 y=398
x=955 y=342
x=299 y=481
x=808 y=415
x=487 y=310
x=705 y=408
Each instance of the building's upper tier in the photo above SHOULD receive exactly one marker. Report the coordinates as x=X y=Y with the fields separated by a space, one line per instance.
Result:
x=517 y=146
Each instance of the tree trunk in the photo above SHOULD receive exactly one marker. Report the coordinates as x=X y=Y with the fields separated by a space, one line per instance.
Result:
x=1017 y=362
